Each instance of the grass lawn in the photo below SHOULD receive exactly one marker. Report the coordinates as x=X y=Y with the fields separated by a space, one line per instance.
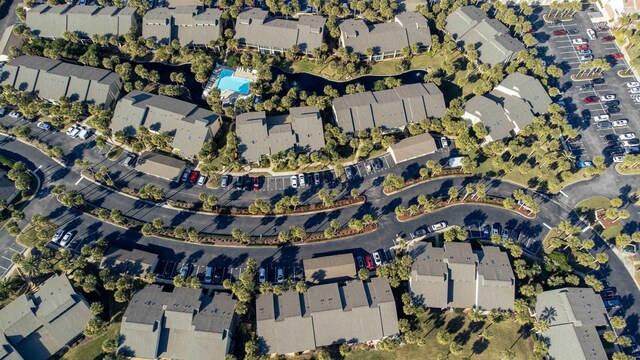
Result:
x=553 y=233
x=506 y=335
x=6 y=163
x=595 y=203
x=28 y=237
x=587 y=208
x=91 y=349
x=627 y=171
x=115 y=153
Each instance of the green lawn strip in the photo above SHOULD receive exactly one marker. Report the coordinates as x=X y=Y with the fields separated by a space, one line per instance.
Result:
x=92 y=348
x=6 y=163
x=611 y=233
x=115 y=153
x=594 y=203
x=506 y=336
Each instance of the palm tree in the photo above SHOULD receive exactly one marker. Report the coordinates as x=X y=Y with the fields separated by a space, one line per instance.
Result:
x=30 y=266
x=8 y=287
x=540 y=326
x=507 y=354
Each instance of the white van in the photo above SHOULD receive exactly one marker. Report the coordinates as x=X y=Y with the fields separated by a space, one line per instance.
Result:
x=84 y=134
x=208 y=275
x=74 y=133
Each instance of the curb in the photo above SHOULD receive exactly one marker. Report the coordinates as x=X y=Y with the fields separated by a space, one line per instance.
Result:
x=426 y=181
x=459 y=204
x=35 y=147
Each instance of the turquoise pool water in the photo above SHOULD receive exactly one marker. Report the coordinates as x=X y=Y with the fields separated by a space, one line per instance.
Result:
x=227 y=81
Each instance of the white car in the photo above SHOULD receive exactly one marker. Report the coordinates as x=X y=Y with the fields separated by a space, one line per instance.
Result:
x=630 y=143
x=262 y=275
x=592 y=34
x=15 y=115
x=585 y=52
x=608 y=97
x=636 y=100
x=586 y=57
x=439 y=226
x=599 y=118
x=619 y=123
x=294 y=181
x=202 y=179
x=377 y=259
x=57 y=236
x=627 y=136
x=66 y=239
x=71 y=129
x=635 y=90
x=280 y=275
x=618 y=159
x=633 y=84
x=301 y=180
x=579 y=41
x=44 y=125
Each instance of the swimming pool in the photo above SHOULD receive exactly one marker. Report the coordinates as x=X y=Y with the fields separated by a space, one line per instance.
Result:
x=227 y=81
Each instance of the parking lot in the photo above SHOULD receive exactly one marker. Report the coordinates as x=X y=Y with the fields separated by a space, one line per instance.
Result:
x=560 y=50
x=168 y=269
x=6 y=254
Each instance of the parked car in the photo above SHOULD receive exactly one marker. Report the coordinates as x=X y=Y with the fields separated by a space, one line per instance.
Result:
x=573 y=31
x=608 y=38
x=486 y=232
x=613 y=109
x=74 y=132
x=612 y=302
x=617 y=56
x=419 y=232
x=226 y=179
x=590 y=99
x=603 y=117
x=348 y=171
x=582 y=47
x=185 y=270
x=185 y=175
x=505 y=233
x=633 y=84
x=618 y=158
x=71 y=129
x=208 y=274
x=280 y=275
x=592 y=34
x=607 y=97
x=129 y=161
x=559 y=32
x=619 y=123
x=604 y=125
x=579 y=41
x=15 y=115
x=2 y=110
x=262 y=275
x=80 y=130
x=377 y=164
x=598 y=81
x=360 y=262
x=444 y=142
x=193 y=176
x=202 y=180
x=294 y=181
x=44 y=125
x=586 y=114
x=301 y=180
x=66 y=239
x=586 y=57
x=632 y=142
x=612 y=103
x=439 y=226
x=368 y=263
x=239 y=183
x=584 y=164
x=584 y=52
x=316 y=179
x=632 y=150
x=377 y=259
x=585 y=87
x=611 y=137
x=496 y=229
x=635 y=90
x=256 y=183
x=57 y=236
x=575 y=139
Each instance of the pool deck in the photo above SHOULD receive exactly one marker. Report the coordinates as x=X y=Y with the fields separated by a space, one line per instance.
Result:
x=228 y=96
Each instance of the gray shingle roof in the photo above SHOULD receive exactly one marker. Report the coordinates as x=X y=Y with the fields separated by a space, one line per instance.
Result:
x=125 y=262
x=388 y=109
x=52 y=21
x=189 y=125
x=178 y=323
x=470 y=25
x=455 y=276
x=52 y=79
x=254 y=27
x=332 y=267
x=43 y=323
x=510 y=107
x=326 y=314
x=160 y=165
x=573 y=315
x=190 y=25
x=7 y=188
x=9 y=40
x=259 y=134
x=406 y=29
x=412 y=147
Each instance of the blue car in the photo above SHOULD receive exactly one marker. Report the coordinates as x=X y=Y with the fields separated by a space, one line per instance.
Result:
x=584 y=164
x=486 y=232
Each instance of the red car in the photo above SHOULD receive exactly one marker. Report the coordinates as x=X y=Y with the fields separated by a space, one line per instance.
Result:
x=532 y=30
x=575 y=139
x=582 y=47
x=608 y=38
x=591 y=99
x=256 y=183
x=617 y=55
x=560 y=32
x=193 y=177
x=369 y=262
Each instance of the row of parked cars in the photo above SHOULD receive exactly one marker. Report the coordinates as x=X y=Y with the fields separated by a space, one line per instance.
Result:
x=78 y=131
x=194 y=176
x=63 y=238
x=373 y=260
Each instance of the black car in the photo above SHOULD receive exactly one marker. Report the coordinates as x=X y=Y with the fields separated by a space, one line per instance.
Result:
x=611 y=137
x=604 y=125
x=615 y=149
x=613 y=110
x=239 y=183
x=598 y=80
x=611 y=103
x=613 y=143
x=585 y=87
x=327 y=176
x=377 y=164
x=586 y=114
x=573 y=31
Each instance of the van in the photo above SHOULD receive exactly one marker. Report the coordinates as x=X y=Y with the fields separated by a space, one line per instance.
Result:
x=74 y=133
x=208 y=275
x=83 y=134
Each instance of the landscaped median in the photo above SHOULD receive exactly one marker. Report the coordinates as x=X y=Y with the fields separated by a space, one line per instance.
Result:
x=432 y=205
x=294 y=235
x=394 y=184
